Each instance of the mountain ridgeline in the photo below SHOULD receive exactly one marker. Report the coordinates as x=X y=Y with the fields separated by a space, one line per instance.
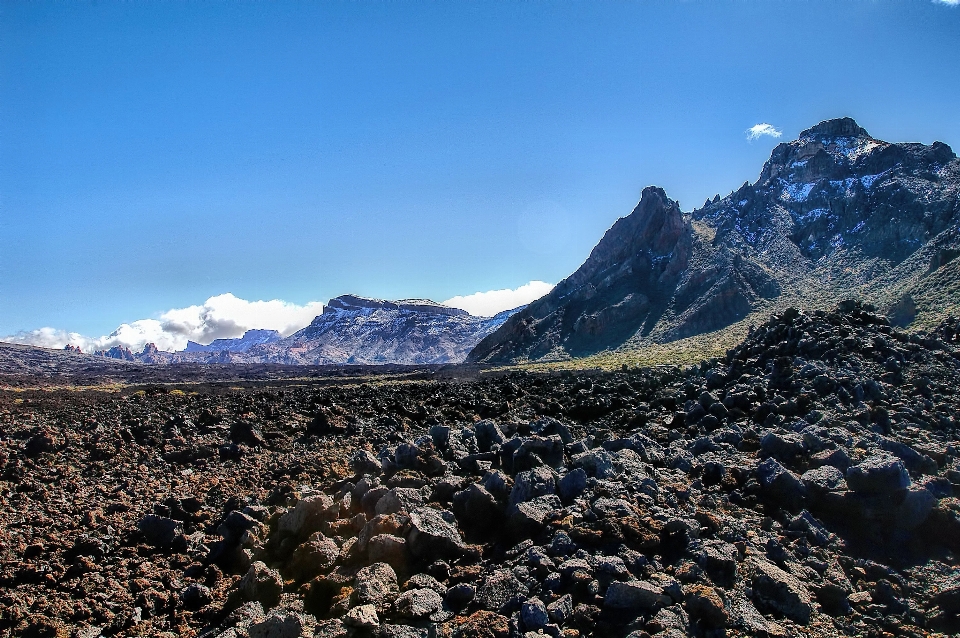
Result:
x=350 y=330
x=835 y=213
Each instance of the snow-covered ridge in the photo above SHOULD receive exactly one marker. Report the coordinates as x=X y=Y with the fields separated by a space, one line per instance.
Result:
x=355 y=302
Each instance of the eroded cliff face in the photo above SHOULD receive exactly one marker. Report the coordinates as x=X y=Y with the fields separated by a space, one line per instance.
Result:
x=648 y=264
x=834 y=214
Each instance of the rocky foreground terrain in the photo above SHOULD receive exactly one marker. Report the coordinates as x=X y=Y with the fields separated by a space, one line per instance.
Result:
x=805 y=484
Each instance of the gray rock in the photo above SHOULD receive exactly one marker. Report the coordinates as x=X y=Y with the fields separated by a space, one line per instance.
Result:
x=431 y=536
x=314 y=556
x=308 y=515
x=404 y=631
x=531 y=484
x=915 y=508
x=477 y=508
x=461 y=595
x=837 y=458
x=262 y=584
x=780 y=445
x=825 y=478
x=573 y=484
x=488 y=434
x=635 y=595
x=159 y=531
x=406 y=456
x=284 y=624
x=196 y=596
x=498 y=588
x=596 y=463
x=561 y=609
x=719 y=559
x=390 y=549
x=399 y=499
x=549 y=449
x=548 y=426
x=333 y=628
x=528 y=519
x=780 y=484
x=815 y=531
x=533 y=613
x=440 y=435
x=498 y=484
x=362 y=617
x=418 y=603
x=775 y=589
x=913 y=459
x=878 y=475
x=613 y=508
x=376 y=585
x=364 y=462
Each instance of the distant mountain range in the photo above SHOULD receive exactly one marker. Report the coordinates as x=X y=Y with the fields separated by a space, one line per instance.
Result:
x=351 y=330
x=249 y=339
x=836 y=213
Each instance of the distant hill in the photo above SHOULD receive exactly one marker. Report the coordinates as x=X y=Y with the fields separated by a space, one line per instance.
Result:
x=351 y=330
x=835 y=213
x=249 y=339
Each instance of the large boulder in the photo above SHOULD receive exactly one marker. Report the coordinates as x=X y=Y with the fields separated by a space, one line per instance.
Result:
x=313 y=557
x=308 y=515
x=779 y=591
x=432 y=536
x=531 y=484
x=262 y=584
x=399 y=499
x=635 y=595
x=376 y=585
x=878 y=475
x=476 y=508
x=780 y=484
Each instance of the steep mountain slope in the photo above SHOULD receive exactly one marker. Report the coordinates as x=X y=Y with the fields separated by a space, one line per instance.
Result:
x=835 y=213
x=370 y=331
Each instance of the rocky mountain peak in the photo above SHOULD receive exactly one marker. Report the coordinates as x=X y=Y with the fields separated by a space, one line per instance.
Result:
x=839 y=127
x=836 y=212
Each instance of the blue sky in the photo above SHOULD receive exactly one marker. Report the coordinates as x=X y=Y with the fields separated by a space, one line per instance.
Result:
x=157 y=154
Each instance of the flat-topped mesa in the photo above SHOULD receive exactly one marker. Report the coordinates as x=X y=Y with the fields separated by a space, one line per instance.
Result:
x=355 y=302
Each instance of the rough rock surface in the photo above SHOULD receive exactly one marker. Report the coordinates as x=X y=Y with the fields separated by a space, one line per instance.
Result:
x=820 y=501
x=835 y=213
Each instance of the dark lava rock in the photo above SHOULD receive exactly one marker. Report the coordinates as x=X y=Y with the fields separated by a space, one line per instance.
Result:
x=878 y=474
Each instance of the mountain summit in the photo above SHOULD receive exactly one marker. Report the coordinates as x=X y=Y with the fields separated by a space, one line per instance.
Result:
x=835 y=213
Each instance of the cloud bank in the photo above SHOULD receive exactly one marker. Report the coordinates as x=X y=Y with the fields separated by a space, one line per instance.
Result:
x=756 y=131
x=221 y=317
x=487 y=304
x=227 y=316
x=952 y=3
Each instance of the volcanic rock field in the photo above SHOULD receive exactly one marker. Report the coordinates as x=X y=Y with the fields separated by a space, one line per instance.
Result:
x=804 y=485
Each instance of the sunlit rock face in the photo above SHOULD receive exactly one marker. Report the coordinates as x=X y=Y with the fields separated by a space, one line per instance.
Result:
x=835 y=213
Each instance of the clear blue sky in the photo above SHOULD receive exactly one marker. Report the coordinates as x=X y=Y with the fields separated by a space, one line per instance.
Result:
x=153 y=154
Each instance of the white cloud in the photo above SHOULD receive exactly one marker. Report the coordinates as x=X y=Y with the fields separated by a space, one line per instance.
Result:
x=758 y=130
x=952 y=3
x=487 y=304
x=220 y=317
